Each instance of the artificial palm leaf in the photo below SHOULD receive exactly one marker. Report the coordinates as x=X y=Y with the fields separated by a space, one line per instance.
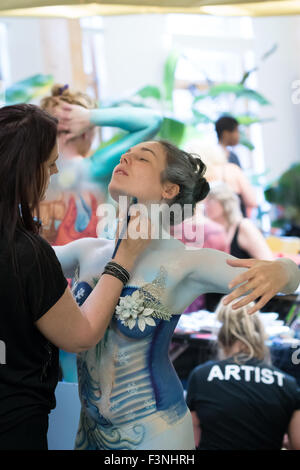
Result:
x=29 y=89
x=169 y=77
x=149 y=91
x=200 y=118
x=172 y=130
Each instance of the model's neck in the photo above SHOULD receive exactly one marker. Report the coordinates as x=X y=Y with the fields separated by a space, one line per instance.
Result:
x=149 y=211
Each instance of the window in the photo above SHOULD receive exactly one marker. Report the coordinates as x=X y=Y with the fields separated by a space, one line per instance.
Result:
x=214 y=50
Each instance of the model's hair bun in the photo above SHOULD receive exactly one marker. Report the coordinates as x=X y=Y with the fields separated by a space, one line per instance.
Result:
x=187 y=171
x=201 y=186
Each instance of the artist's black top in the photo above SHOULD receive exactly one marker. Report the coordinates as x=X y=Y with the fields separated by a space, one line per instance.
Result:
x=242 y=406
x=28 y=361
x=235 y=249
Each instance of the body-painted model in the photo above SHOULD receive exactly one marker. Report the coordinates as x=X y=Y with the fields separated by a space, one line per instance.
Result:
x=130 y=394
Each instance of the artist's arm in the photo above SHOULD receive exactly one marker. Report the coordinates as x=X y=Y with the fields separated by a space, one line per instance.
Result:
x=77 y=329
x=196 y=428
x=294 y=431
x=141 y=124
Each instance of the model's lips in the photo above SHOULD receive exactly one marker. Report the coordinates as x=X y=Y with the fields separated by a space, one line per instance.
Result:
x=120 y=171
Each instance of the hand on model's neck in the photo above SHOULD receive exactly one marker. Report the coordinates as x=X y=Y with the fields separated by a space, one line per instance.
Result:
x=150 y=211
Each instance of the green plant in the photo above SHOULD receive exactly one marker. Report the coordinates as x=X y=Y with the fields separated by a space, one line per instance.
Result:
x=234 y=92
x=180 y=131
x=285 y=194
x=27 y=90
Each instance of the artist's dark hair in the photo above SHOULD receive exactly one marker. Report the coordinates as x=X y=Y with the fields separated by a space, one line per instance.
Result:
x=27 y=137
x=187 y=170
x=225 y=123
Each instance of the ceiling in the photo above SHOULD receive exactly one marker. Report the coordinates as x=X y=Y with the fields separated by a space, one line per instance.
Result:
x=80 y=8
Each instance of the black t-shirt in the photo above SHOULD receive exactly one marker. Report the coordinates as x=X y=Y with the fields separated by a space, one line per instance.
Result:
x=28 y=361
x=242 y=406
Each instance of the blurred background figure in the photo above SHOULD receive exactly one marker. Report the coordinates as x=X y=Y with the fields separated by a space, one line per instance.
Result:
x=241 y=401
x=69 y=211
x=227 y=129
x=220 y=170
x=243 y=237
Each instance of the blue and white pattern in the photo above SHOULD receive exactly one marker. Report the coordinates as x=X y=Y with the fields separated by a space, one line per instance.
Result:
x=129 y=390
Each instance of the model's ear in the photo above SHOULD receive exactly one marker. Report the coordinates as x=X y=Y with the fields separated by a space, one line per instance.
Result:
x=170 y=190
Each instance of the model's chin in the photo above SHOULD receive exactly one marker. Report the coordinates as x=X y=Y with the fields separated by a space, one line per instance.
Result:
x=115 y=191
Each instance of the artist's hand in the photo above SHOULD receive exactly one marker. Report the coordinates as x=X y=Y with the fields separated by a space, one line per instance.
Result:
x=135 y=239
x=264 y=279
x=73 y=119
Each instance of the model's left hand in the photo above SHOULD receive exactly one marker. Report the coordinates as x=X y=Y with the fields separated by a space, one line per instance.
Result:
x=264 y=279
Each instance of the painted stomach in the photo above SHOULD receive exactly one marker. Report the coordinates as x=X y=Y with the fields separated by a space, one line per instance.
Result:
x=123 y=379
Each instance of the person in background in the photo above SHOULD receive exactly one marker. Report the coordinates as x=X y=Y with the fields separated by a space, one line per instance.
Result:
x=227 y=129
x=241 y=402
x=220 y=170
x=70 y=209
x=244 y=239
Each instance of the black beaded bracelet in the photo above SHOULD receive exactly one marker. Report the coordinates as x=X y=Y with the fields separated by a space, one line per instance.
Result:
x=116 y=270
x=114 y=265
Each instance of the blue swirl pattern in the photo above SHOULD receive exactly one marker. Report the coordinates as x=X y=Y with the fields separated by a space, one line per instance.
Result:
x=129 y=390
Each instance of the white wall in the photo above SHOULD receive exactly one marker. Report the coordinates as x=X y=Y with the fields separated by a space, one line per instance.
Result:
x=24 y=47
x=135 y=51
x=39 y=46
x=281 y=138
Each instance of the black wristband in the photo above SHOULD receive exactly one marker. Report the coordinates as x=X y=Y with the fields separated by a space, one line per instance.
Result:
x=116 y=270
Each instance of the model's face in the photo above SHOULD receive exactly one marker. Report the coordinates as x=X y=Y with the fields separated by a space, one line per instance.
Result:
x=213 y=209
x=50 y=167
x=139 y=174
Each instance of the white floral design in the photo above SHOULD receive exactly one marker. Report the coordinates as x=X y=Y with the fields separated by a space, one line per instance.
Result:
x=131 y=311
x=80 y=294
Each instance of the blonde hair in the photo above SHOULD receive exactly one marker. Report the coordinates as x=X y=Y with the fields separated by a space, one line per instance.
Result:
x=222 y=193
x=63 y=93
x=238 y=325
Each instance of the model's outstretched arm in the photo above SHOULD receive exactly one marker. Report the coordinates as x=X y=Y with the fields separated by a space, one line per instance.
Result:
x=215 y=271
x=265 y=278
x=141 y=124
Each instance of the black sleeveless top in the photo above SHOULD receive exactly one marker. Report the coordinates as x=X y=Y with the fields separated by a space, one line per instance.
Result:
x=235 y=249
